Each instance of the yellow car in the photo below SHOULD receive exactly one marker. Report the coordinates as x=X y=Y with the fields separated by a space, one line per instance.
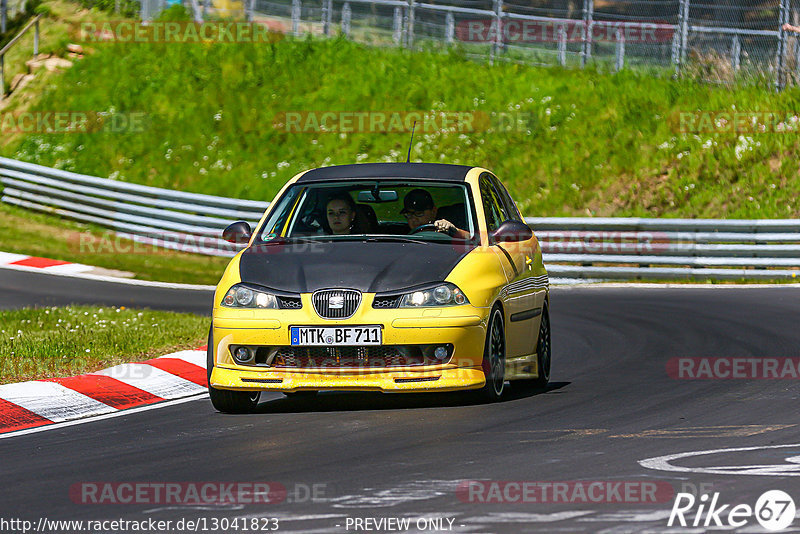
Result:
x=390 y=277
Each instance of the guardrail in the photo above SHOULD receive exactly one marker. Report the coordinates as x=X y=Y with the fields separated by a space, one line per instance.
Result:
x=656 y=249
x=170 y=219
x=573 y=247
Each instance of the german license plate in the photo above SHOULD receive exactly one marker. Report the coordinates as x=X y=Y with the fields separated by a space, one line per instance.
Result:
x=335 y=335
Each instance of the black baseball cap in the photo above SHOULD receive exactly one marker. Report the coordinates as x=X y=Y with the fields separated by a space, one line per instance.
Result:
x=417 y=200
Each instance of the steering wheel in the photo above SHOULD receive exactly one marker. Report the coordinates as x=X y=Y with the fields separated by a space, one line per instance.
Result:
x=424 y=228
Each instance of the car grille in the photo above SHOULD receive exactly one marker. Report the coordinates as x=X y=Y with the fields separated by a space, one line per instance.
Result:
x=352 y=357
x=336 y=303
x=385 y=302
x=289 y=303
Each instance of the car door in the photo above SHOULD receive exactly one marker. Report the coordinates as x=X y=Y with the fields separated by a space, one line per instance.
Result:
x=520 y=295
x=513 y=262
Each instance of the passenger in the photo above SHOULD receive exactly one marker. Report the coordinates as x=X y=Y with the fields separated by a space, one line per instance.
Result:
x=340 y=211
x=419 y=209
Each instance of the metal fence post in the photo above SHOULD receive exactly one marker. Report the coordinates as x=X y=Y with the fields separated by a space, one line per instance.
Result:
x=586 y=48
x=397 y=26
x=620 y=50
x=676 y=49
x=346 y=15
x=410 y=24
x=36 y=38
x=2 y=77
x=405 y=26
x=736 y=52
x=3 y=15
x=680 y=36
x=780 y=74
x=797 y=59
x=327 y=16
x=449 y=28
x=250 y=8
x=684 y=32
x=562 y=45
x=297 y=10
x=497 y=45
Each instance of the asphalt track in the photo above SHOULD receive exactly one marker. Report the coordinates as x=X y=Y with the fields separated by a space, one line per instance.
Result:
x=26 y=288
x=611 y=403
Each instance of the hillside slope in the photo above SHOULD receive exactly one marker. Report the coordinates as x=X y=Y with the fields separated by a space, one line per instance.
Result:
x=581 y=142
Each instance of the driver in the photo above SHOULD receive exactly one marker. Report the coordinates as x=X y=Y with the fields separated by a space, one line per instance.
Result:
x=419 y=209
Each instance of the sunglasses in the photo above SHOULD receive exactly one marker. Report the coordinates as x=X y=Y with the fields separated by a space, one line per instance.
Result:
x=414 y=214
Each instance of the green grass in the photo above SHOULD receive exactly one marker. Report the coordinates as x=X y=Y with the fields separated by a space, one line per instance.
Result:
x=51 y=342
x=586 y=143
x=592 y=143
x=26 y=232
x=57 y=28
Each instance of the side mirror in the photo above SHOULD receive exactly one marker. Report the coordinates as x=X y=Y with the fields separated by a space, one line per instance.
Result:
x=512 y=232
x=238 y=233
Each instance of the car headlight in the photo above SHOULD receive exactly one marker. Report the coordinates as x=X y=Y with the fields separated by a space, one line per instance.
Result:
x=242 y=296
x=446 y=294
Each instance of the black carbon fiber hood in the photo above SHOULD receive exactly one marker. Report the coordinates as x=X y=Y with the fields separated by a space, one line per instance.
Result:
x=367 y=266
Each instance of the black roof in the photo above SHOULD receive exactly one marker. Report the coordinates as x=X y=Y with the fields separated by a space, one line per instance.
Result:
x=423 y=171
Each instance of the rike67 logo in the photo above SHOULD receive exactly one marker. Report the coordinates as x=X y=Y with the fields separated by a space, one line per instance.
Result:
x=774 y=510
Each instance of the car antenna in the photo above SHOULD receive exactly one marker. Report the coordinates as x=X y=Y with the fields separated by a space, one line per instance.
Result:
x=410 y=143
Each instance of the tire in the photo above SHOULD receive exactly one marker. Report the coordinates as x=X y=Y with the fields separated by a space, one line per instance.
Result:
x=543 y=350
x=494 y=358
x=223 y=400
x=543 y=356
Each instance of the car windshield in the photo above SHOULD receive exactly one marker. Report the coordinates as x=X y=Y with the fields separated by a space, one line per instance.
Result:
x=373 y=209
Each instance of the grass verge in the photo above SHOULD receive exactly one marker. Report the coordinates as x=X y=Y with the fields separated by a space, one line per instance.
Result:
x=25 y=232
x=52 y=342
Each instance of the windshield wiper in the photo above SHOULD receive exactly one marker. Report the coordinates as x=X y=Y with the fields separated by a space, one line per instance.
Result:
x=398 y=239
x=284 y=240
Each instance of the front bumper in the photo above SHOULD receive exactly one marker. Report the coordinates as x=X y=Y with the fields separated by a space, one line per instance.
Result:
x=462 y=326
x=366 y=380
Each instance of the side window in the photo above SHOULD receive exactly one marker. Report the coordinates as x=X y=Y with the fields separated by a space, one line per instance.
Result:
x=491 y=206
x=510 y=211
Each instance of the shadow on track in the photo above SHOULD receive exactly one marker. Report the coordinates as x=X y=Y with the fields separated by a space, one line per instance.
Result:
x=357 y=401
